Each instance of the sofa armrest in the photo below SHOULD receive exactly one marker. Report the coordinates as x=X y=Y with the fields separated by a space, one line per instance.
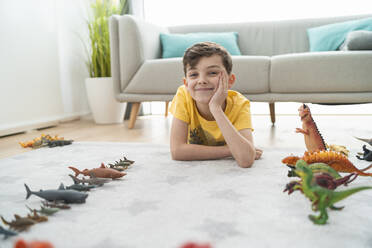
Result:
x=132 y=42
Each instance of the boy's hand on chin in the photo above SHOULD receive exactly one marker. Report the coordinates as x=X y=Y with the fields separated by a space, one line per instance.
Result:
x=220 y=93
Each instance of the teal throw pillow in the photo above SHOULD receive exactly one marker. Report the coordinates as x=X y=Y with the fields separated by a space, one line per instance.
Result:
x=330 y=37
x=174 y=45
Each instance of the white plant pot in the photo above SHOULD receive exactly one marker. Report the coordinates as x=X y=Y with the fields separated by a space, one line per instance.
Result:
x=105 y=108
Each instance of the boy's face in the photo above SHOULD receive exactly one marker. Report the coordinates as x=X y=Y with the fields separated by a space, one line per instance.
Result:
x=202 y=80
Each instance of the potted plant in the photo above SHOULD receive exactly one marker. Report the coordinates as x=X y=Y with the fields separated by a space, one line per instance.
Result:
x=100 y=91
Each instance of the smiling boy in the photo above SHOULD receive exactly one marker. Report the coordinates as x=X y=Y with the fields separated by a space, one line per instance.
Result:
x=210 y=121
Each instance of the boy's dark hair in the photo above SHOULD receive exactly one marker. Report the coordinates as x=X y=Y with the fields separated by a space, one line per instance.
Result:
x=206 y=49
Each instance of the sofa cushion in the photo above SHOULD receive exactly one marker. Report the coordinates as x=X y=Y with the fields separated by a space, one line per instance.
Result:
x=357 y=40
x=252 y=76
x=318 y=72
x=174 y=45
x=330 y=37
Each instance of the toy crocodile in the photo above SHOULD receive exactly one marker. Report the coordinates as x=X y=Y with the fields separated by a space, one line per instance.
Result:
x=336 y=160
x=7 y=233
x=91 y=181
x=313 y=139
x=321 y=198
x=316 y=169
x=19 y=223
x=121 y=165
x=81 y=187
x=44 y=210
x=54 y=143
x=366 y=155
x=102 y=172
x=60 y=194
x=58 y=205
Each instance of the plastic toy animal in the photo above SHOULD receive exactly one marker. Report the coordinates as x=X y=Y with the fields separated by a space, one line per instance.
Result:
x=316 y=168
x=369 y=141
x=37 y=218
x=313 y=139
x=366 y=155
x=60 y=194
x=20 y=223
x=44 y=210
x=121 y=165
x=336 y=160
x=33 y=244
x=81 y=187
x=321 y=198
x=91 y=181
x=102 y=172
x=57 y=205
x=338 y=148
x=7 y=233
x=45 y=140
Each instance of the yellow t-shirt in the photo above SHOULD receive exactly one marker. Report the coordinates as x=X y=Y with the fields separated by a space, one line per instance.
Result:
x=202 y=131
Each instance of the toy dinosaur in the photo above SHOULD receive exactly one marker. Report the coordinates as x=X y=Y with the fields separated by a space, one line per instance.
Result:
x=7 y=233
x=32 y=244
x=91 y=181
x=313 y=139
x=55 y=204
x=44 y=210
x=316 y=168
x=369 y=141
x=321 y=198
x=20 y=223
x=121 y=165
x=336 y=160
x=366 y=155
x=102 y=172
x=60 y=194
x=338 y=148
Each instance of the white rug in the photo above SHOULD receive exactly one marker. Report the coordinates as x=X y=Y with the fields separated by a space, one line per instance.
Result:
x=164 y=203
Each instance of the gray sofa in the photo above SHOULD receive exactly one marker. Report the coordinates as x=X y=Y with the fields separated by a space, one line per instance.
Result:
x=275 y=66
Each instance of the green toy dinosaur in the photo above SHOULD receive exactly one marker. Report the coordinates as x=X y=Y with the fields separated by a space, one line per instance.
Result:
x=321 y=198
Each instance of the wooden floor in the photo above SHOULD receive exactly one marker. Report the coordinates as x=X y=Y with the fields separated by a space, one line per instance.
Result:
x=149 y=129
x=336 y=129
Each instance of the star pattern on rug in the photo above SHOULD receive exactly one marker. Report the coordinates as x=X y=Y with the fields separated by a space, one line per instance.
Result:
x=173 y=180
x=219 y=230
x=228 y=194
x=137 y=207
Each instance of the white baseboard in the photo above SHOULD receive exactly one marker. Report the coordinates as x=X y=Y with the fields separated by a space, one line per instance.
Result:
x=12 y=128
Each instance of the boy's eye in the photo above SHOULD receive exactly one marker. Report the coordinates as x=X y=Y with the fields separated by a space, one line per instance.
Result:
x=193 y=74
x=213 y=73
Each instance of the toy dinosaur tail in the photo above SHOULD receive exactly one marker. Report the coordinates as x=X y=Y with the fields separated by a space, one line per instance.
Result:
x=340 y=195
x=77 y=172
x=29 y=193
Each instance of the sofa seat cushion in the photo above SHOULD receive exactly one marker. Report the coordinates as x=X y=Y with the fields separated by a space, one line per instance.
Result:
x=164 y=76
x=321 y=72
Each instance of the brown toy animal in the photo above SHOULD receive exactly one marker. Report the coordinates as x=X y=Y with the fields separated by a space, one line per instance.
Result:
x=102 y=171
x=313 y=139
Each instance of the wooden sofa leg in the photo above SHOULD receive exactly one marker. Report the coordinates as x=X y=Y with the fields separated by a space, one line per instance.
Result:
x=166 y=108
x=133 y=114
x=272 y=112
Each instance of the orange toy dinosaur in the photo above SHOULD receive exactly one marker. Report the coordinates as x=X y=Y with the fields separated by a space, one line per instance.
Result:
x=102 y=171
x=336 y=160
x=313 y=139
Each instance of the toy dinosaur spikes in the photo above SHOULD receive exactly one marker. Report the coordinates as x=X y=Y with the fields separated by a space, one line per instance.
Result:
x=336 y=160
x=313 y=139
x=369 y=141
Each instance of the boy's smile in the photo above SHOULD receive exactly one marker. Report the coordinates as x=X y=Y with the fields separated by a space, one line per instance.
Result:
x=202 y=80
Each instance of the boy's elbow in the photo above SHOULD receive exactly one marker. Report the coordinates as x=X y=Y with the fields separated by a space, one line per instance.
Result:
x=245 y=163
x=176 y=155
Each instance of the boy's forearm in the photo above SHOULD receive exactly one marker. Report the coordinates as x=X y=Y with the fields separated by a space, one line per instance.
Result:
x=200 y=152
x=241 y=149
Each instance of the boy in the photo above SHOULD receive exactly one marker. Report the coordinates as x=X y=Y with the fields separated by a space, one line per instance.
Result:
x=210 y=121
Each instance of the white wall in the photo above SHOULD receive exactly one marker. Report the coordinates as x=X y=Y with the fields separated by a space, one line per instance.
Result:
x=42 y=66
